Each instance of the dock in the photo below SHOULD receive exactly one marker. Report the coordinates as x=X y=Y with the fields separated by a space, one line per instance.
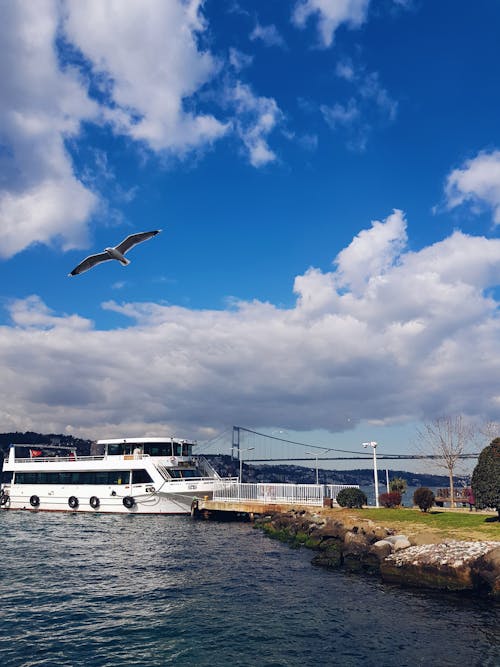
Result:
x=235 y=500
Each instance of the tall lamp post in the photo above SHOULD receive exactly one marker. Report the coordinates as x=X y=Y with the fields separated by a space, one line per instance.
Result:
x=317 y=471
x=375 y=474
x=249 y=449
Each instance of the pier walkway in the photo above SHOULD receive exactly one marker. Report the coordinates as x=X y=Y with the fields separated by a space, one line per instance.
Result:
x=251 y=499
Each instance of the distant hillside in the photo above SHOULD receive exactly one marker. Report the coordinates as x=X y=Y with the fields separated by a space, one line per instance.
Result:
x=229 y=467
x=31 y=438
x=292 y=474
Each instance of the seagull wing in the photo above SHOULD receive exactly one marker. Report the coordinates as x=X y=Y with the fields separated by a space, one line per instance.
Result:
x=89 y=262
x=134 y=239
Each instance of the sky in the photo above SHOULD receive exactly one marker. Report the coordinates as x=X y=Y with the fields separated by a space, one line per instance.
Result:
x=326 y=176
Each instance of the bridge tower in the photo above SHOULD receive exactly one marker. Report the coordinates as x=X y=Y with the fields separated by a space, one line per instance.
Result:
x=236 y=443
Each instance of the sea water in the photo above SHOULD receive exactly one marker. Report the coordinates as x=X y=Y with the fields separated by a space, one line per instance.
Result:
x=112 y=590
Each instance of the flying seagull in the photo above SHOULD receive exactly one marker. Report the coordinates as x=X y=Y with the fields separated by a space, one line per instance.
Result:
x=117 y=252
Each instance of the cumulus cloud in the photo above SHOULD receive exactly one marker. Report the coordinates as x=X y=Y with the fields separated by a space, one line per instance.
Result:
x=330 y=14
x=387 y=334
x=41 y=106
x=135 y=68
x=147 y=52
x=477 y=182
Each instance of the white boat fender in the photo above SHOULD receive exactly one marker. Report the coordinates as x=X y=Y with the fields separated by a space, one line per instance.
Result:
x=94 y=502
x=173 y=460
x=73 y=502
x=34 y=501
x=129 y=502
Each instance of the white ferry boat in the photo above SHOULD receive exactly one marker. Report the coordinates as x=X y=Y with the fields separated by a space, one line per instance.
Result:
x=130 y=475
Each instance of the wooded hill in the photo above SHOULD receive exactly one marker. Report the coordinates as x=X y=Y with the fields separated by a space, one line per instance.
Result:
x=227 y=466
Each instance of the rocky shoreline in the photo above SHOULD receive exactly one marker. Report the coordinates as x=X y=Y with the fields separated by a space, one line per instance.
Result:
x=359 y=545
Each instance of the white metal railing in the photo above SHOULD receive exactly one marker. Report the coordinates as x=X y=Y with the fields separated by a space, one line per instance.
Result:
x=302 y=494
x=332 y=490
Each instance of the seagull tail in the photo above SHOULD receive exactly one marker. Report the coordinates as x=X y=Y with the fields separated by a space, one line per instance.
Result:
x=124 y=261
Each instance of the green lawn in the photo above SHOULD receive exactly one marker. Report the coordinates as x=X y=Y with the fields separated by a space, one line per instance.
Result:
x=458 y=525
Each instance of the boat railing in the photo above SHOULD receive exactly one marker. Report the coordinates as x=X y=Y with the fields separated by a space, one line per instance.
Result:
x=206 y=467
x=302 y=494
x=57 y=459
x=77 y=457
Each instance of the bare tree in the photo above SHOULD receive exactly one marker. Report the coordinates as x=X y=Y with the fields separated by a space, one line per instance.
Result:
x=447 y=438
x=490 y=431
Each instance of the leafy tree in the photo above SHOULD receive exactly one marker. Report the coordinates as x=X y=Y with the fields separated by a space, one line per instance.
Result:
x=486 y=477
x=398 y=485
x=424 y=498
x=447 y=439
x=351 y=497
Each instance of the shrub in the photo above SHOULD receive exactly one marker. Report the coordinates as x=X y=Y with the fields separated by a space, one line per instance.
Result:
x=424 y=498
x=351 y=497
x=390 y=499
x=486 y=477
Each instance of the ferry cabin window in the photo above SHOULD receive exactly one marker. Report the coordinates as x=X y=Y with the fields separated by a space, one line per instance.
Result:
x=158 y=448
x=104 y=477
x=118 y=449
x=190 y=473
x=141 y=477
x=182 y=449
x=6 y=477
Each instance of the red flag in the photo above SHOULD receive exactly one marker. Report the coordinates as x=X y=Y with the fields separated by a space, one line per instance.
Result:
x=35 y=452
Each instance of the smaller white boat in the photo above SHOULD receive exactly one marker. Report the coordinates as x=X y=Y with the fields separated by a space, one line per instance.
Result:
x=129 y=475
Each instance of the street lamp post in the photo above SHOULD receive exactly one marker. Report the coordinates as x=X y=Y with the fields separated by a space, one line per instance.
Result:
x=317 y=471
x=249 y=449
x=375 y=473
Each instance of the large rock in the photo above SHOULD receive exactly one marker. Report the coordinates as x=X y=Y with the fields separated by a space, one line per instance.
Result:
x=454 y=566
x=487 y=570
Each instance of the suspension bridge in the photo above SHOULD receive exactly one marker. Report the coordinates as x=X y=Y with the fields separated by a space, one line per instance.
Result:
x=258 y=447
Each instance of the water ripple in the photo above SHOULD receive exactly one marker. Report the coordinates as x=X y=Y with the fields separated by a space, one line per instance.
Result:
x=81 y=590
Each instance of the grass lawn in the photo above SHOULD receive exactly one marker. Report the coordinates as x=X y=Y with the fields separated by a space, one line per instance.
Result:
x=434 y=525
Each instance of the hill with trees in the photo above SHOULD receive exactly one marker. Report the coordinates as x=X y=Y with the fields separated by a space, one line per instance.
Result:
x=226 y=466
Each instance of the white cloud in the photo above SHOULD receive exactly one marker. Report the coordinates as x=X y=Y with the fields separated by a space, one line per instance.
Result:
x=146 y=60
x=239 y=60
x=147 y=51
x=372 y=252
x=256 y=118
x=369 y=104
x=330 y=15
x=387 y=335
x=268 y=34
x=41 y=106
x=339 y=114
x=477 y=182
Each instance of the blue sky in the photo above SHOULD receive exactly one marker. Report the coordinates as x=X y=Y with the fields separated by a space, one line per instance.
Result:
x=327 y=178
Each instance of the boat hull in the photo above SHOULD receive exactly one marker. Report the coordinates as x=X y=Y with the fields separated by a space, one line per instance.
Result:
x=95 y=500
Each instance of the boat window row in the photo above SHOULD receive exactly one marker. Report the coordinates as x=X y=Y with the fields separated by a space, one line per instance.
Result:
x=183 y=474
x=84 y=477
x=152 y=448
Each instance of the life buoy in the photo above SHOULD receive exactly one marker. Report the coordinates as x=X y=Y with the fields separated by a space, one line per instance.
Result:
x=173 y=460
x=73 y=502
x=94 y=502
x=129 y=502
x=34 y=501
x=4 y=498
